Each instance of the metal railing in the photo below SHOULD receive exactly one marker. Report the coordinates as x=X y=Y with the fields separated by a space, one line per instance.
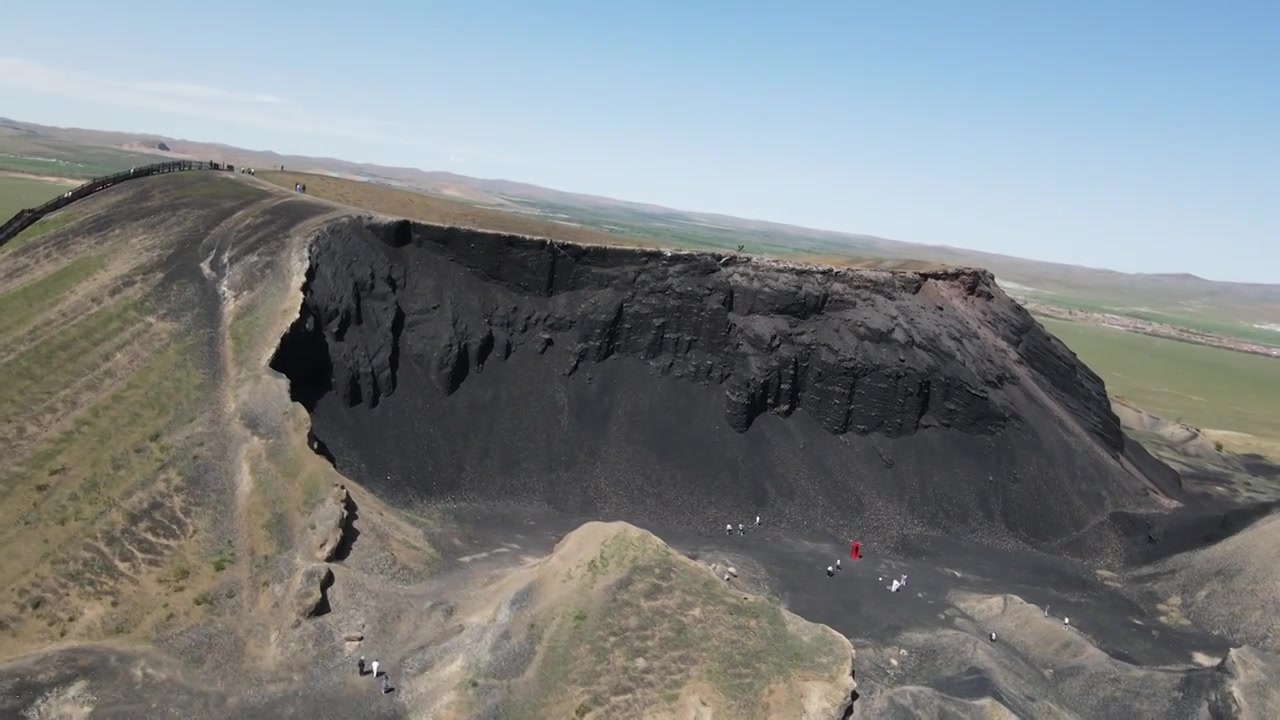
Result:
x=26 y=218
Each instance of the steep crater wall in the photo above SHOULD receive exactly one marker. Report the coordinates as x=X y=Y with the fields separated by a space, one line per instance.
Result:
x=452 y=363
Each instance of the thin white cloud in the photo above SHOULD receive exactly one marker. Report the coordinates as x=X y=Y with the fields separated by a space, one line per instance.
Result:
x=251 y=109
x=246 y=109
x=205 y=92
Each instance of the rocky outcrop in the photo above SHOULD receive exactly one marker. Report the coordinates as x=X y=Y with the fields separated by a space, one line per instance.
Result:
x=853 y=348
x=580 y=331
x=311 y=597
x=1248 y=688
x=330 y=525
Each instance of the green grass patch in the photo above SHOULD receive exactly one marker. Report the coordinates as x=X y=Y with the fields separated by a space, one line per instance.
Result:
x=272 y=525
x=1239 y=331
x=78 y=478
x=176 y=575
x=675 y=230
x=59 y=168
x=118 y=440
x=309 y=482
x=201 y=185
x=251 y=320
x=42 y=226
x=1214 y=321
x=47 y=368
x=60 y=158
x=22 y=193
x=224 y=558
x=1203 y=386
x=20 y=307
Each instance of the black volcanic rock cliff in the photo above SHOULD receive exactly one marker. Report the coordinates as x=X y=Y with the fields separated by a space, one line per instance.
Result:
x=692 y=388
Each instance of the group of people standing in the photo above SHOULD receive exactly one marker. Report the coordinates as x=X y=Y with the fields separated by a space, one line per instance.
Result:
x=373 y=668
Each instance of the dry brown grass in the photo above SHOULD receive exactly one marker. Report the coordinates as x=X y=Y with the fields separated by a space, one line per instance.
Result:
x=442 y=211
x=896 y=265
x=439 y=211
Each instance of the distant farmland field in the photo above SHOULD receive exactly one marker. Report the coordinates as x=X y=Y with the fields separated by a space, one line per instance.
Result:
x=1203 y=386
x=17 y=193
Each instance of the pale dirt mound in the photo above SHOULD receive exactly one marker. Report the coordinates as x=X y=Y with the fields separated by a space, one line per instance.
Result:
x=1188 y=440
x=1226 y=465
x=614 y=624
x=1230 y=587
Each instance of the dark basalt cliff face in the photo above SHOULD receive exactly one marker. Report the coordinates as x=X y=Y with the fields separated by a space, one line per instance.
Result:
x=444 y=362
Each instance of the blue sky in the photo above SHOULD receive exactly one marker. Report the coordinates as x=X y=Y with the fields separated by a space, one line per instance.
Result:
x=1134 y=135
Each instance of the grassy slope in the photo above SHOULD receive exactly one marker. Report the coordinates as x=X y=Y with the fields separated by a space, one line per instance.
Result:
x=46 y=224
x=97 y=392
x=118 y=445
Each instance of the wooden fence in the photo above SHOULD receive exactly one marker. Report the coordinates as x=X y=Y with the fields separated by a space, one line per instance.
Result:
x=26 y=218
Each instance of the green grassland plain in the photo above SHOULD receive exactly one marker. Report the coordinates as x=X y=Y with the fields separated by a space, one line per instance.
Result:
x=1217 y=320
x=55 y=158
x=1207 y=387
x=19 y=193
